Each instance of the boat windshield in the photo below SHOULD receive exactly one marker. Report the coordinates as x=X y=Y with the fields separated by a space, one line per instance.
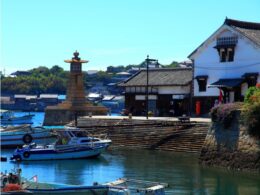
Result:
x=63 y=137
x=80 y=133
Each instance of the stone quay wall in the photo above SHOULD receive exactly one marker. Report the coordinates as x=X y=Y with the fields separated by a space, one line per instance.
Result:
x=233 y=147
x=149 y=134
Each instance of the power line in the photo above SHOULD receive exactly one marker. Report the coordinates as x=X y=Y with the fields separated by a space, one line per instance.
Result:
x=227 y=68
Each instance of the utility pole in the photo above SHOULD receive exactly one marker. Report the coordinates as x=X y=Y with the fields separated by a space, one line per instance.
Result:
x=147 y=83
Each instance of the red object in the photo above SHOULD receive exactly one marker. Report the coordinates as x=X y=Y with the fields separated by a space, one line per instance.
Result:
x=258 y=85
x=12 y=187
x=220 y=98
x=197 y=107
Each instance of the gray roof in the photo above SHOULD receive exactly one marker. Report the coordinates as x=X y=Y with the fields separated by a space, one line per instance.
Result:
x=160 y=77
x=249 y=29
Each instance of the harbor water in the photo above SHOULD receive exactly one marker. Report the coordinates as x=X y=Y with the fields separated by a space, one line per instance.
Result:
x=181 y=170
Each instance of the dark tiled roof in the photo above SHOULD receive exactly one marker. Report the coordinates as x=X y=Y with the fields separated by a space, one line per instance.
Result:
x=249 y=29
x=249 y=74
x=160 y=77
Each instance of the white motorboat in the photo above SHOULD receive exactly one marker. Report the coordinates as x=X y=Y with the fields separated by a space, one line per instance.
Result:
x=71 y=143
x=8 y=118
x=13 y=136
x=54 y=152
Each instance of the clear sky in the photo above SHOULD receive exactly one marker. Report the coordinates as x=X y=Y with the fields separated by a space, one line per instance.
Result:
x=110 y=32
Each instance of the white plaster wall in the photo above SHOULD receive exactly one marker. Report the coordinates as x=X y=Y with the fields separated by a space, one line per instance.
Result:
x=174 y=90
x=207 y=62
x=244 y=87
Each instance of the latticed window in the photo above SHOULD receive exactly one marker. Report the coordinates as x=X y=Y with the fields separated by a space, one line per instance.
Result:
x=226 y=41
x=226 y=48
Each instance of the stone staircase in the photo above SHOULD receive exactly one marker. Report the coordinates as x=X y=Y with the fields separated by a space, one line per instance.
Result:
x=157 y=135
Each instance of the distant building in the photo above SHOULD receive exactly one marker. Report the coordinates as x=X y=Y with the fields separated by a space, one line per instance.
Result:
x=228 y=62
x=115 y=69
x=49 y=99
x=92 y=72
x=20 y=73
x=169 y=92
x=185 y=64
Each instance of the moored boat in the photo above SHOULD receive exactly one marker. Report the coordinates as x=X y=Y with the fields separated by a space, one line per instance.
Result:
x=14 y=136
x=8 y=118
x=11 y=184
x=121 y=186
x=51 y=152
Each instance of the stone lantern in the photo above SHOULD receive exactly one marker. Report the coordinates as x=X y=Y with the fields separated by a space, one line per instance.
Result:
x=75 y=104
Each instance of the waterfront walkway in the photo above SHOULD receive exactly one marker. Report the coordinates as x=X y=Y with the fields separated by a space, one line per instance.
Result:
x=192 y=119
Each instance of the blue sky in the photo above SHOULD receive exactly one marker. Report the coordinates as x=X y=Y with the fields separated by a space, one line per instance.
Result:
x=110 y=32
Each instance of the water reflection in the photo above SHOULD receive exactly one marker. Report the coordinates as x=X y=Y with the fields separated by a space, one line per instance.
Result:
x=181 y=171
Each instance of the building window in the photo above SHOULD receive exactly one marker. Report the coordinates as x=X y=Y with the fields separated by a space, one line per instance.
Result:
x=226 y=48
x=202 y=82
x=250 y=78
x=222 y=55
x=230 y=54
x=251 y=83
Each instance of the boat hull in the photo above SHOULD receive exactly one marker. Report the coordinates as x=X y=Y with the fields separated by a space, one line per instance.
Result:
x=24 y=192
x=72 y=191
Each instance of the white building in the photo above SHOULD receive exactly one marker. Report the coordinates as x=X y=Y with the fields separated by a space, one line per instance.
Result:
x=227 y=62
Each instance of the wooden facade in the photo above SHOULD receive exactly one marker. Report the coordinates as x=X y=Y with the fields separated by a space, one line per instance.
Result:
x=168 y=92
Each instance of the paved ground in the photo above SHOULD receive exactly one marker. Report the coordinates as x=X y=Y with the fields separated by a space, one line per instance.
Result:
x=153 y=118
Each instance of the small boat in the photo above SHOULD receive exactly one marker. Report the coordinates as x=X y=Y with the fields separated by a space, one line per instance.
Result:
x=121 y=186
x=55 y=152
x=11 y=184
x=8 y=118
x=13 y=136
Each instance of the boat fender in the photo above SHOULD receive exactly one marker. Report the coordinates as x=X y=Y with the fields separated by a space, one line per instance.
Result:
x=27 y=138
x=18 y=158
x=26 y=154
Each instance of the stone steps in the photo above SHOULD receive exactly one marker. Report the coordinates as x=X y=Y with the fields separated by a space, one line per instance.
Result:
x=162 y=135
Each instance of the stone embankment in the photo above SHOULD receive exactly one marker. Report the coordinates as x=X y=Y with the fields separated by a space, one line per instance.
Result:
x=233 y=148
x=150 y=134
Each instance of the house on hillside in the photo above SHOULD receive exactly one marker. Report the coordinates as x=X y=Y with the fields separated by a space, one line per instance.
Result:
x=20 y=73
x=168 y=91
x=226 y=64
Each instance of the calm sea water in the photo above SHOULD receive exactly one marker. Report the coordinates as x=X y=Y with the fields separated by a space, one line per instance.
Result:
x=180 y=170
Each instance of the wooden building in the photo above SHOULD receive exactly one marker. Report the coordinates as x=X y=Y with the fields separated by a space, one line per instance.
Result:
x=168 y=92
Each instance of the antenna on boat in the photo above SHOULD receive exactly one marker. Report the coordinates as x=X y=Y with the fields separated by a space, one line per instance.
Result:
x=76 y=118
